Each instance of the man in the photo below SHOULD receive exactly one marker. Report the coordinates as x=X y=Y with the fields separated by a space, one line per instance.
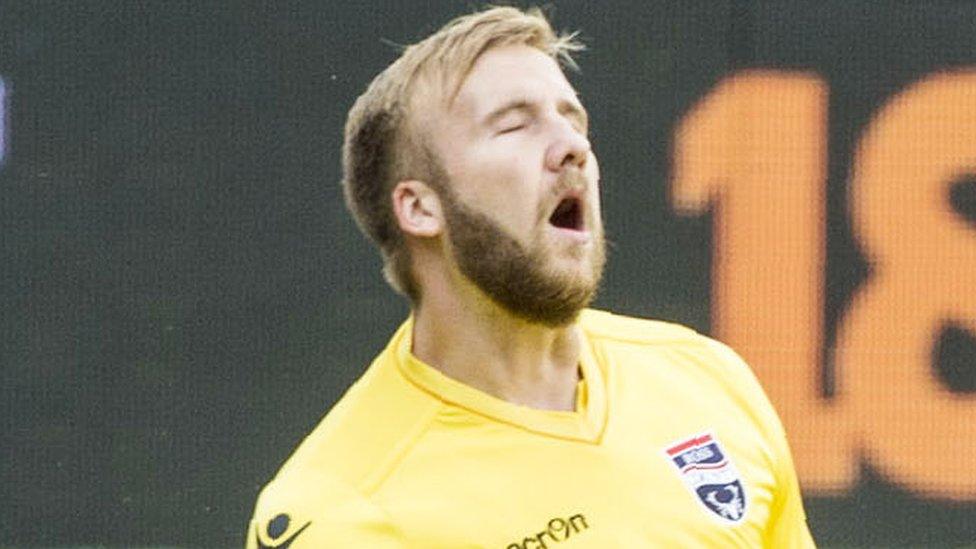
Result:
x=502 y=413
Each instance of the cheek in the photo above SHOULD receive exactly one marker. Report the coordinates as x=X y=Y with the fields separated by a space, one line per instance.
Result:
x=510 y=185
x=595 y=200
x=502 y=179
x=593 y=174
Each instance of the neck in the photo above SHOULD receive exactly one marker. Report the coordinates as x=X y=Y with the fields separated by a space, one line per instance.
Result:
x=472 y=340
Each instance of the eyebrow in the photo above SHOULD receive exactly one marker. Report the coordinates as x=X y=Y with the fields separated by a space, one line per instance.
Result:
x=577 y=111
x=565 y=108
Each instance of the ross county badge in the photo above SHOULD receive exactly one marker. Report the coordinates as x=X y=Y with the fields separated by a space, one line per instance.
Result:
x=710 y=475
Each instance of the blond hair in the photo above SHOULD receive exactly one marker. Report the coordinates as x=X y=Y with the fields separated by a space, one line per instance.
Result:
x=380 y=149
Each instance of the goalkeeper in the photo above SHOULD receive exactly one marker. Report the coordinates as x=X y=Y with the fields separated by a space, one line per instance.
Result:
x=504 y=413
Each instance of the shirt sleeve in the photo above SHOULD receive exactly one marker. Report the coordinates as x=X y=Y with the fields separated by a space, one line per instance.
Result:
x=787 y=527
x=318 y=512
x=788 y=521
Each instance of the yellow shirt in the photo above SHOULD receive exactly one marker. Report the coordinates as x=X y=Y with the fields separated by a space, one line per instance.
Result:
x=673 y=444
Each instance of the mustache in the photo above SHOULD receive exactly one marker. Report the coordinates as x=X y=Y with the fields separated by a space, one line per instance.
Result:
x=570 y=181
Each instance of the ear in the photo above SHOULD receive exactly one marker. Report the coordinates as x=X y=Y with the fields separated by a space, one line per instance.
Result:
x=417 y=209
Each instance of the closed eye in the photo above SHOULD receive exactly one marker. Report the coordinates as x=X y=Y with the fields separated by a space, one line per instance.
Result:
x=511 y=129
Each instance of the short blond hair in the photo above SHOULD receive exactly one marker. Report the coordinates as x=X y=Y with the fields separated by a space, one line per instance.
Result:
x=380 y=149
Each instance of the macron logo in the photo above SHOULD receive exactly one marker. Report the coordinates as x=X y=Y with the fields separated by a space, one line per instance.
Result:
x=276 y=529
x=557 y=530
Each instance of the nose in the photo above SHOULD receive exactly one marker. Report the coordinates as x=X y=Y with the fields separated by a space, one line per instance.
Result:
x=569 y=148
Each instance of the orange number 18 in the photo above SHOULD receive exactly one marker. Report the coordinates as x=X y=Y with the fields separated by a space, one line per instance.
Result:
x=754 y=150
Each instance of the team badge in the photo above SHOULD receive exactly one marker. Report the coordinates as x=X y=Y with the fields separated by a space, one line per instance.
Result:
x=710 y=475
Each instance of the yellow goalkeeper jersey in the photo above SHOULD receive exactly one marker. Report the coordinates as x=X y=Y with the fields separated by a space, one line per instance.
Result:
x=672 y=444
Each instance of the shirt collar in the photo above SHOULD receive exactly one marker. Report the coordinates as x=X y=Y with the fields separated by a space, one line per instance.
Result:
x=585 y=424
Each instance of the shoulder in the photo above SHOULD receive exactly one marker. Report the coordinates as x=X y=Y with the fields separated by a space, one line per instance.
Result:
x=317 y=510
x=355 y=446
x=680 y=347
x=614 y=328
x=378 y=419
x=326 y=485
x=652 y=353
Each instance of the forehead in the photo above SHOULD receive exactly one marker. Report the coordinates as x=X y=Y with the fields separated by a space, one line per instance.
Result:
x=505 y=72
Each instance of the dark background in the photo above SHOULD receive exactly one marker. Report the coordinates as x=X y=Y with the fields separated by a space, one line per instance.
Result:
x=184 y=295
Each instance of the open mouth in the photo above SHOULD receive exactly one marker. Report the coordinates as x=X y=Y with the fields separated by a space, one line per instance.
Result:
x=568 y=215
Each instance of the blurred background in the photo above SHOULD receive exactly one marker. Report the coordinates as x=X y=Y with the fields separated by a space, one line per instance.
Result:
x=184 y=295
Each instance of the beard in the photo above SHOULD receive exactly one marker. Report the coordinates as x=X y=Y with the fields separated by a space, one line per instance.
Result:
x=517 y=277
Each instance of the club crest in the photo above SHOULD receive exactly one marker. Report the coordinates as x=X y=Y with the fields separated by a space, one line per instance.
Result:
x=710 y=475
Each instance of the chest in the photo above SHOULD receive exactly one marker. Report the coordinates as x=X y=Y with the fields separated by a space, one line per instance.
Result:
x=670 y=482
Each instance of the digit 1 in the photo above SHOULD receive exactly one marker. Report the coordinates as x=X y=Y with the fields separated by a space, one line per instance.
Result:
x=754 y=151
